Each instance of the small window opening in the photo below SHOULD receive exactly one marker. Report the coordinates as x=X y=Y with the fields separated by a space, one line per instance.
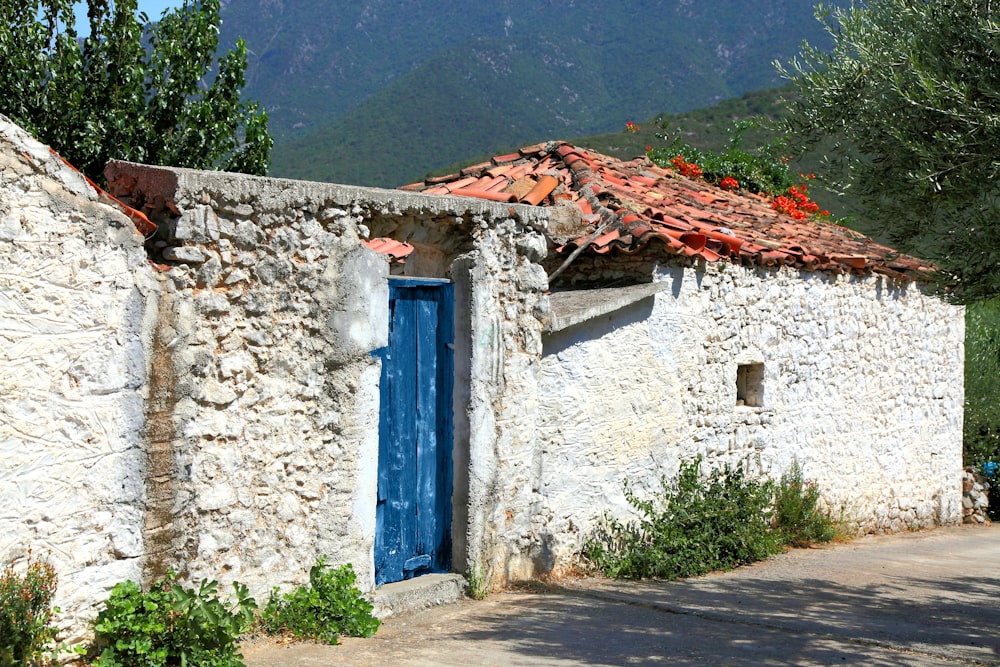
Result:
x=750 y=385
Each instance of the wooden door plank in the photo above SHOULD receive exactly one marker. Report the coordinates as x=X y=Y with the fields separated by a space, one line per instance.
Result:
x=427 y=446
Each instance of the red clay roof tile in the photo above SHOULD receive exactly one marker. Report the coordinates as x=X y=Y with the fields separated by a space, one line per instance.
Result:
x=543 y=188
x=685 y=217
x=484 y=194
x=396 y=250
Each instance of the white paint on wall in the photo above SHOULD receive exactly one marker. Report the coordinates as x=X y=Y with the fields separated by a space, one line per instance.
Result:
x=863 y=386
x=73 y=335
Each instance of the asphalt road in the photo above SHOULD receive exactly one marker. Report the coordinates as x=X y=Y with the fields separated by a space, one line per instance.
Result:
x=928 y=598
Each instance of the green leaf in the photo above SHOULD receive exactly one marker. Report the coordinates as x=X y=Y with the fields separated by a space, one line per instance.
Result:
x=110 y=97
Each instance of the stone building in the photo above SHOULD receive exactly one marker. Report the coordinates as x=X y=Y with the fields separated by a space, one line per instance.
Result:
x=229 y=397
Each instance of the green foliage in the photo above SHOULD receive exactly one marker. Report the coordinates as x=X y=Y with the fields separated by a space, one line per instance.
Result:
x=26 y=631
x=172 y=625
x=479 y=584
x=763 y=169
x=797 y=517
x=325 y=609
x=694 y=527
x=911 y=90
x=130 y=90
x=982 y=383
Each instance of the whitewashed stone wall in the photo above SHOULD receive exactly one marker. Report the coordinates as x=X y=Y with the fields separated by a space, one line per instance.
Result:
x=264 y=400
x=862 y=385
x=501 y=292
x=76 y=301
x=219 y=415
x=265 y=413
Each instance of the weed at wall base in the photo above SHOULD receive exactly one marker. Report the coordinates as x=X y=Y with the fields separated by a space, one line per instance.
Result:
x=329 y=607
x=796 y=511
x=172 y=625
x=695 y=525
x=479 y=583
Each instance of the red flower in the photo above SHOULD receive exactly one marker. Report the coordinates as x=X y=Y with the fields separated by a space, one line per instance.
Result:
x=689 y=169
x=729 y=183
x=796 y=203
x=648 y=148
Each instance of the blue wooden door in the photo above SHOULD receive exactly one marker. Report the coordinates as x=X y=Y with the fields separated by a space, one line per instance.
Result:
x=413 y=514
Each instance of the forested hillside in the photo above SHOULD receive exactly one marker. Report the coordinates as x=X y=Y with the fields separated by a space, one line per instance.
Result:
x=379 y=92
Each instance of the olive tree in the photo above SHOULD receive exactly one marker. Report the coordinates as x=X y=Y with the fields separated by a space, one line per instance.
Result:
x=131 y=90
x=911 y=91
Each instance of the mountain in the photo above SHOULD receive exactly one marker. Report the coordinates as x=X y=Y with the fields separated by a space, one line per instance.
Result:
x=379 y=92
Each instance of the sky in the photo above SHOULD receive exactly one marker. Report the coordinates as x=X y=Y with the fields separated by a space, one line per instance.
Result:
x=153 y=9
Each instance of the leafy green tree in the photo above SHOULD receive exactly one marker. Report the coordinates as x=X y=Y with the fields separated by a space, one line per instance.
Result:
x=911 y=89
x=982 y=383
x=130 y=90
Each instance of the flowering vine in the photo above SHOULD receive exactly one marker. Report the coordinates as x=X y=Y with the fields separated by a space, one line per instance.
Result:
x=796 y=203
x=793 y=201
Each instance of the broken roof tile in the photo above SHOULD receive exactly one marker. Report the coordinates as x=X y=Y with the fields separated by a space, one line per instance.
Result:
x=396 y=250
x=543 y=188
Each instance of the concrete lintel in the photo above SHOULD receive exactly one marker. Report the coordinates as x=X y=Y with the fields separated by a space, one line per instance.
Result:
x=575 y=306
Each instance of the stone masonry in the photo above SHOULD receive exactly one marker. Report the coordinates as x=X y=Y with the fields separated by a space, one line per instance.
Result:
x=208 y=401
x=77 y=300
x=859 y=379
x=275 y=308
x=975 y=497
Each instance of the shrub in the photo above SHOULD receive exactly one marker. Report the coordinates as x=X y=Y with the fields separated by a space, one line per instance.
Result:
x=172 y=625
x=762 y=170
x=328 y=607
x=797 y=517
x=694 y=527
x=26 y=613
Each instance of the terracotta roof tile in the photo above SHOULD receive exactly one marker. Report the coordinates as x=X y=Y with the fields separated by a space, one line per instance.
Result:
x=396 y=250
x=644 y=206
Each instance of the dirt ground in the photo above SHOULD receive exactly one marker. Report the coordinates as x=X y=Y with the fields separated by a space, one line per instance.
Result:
x=928 y=598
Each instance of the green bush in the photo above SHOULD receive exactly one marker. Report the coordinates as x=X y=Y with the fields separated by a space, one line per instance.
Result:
x=761 y=170
x=797 y=517
x=982 y=383
x=328 y=607
x=696 y=526
x=26 y=612
x=981 y=427
x=172 y=625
